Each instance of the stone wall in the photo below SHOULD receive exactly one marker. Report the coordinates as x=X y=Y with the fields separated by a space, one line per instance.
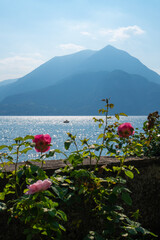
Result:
x=145 y=189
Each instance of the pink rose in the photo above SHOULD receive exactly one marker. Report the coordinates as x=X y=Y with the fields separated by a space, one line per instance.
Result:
x=39 y=186
x=46 y=184
x=42 y=142
x=125 y=130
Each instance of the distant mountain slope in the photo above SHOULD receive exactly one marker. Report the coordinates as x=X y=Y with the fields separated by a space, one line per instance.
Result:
x=111 y=58
x=59 y=68
x=81 y=93
x=47 y=74
x=6 y=82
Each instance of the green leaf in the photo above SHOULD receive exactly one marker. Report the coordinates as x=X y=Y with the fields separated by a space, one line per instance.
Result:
x=123 y=114
x=62 y=214
x=44 y=233
x=55 y=225
x=75 y=159
x=118 y=189
x=129 y=174
x=1 y=175
x=58 y=151
x=18 y=139
x=61 y=227
x=10 y=158
x=35 y=160
x=116 y=169
x=25 y=150
x=58 y=191
x=10 y=148
x=84 y=141
x=100 y=136
x=109 y=135
x=25 y=190
x=111 y=105
x=34 y=168
x=10 y=192
x=28 y=137
x=95 y=119
x=131 y=230
x=126 y=198
x=85 y=154
x=3 y=146
x=52 y=152
x=52 y=213
x=2 y=196
x=67 y=144
x=117 y=116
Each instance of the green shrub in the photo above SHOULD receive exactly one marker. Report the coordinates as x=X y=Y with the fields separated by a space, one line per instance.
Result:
x=82 y=202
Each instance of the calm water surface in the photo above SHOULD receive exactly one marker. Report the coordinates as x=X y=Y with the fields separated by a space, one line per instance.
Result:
x=81 y=126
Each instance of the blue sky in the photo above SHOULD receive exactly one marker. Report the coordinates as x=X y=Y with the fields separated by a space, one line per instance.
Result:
x=34 y=31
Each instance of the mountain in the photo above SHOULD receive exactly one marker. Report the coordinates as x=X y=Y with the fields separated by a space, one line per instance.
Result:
x=47 y=74
x=81 y=94
x=6 y=82
x=111 y=58
x=59 y=68
x=74 y=85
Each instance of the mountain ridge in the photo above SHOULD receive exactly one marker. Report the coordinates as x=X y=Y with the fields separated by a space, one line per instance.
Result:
x=120 y=60
x=81 y=78
x=50 y=70
x=81 y=94
x=58 y=68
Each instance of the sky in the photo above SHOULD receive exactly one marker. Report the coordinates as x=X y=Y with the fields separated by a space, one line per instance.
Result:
x=34 y=31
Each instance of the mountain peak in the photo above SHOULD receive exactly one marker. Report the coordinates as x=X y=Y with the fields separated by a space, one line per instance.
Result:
x=60 y=68
x=111 y=58
x=111 y=49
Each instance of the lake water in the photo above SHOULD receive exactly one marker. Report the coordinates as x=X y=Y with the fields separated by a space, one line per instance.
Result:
x=81 y=126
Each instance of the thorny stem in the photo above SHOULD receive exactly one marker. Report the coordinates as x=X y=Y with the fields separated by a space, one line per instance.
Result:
x=104 y=133
x=42 y=162
x=76 y=145
x=122 y=159
x=106 y=123
x=77 y=148
x=16 y=164
x=17 y=159
x=3 y=164
x=90 y=156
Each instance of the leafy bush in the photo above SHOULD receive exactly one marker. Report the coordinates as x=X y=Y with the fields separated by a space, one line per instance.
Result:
x=83 y=202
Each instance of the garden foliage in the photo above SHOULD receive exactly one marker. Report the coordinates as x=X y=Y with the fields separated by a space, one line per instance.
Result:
x=77 y=201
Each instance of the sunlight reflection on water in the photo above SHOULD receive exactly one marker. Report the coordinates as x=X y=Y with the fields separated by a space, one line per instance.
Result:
x=81 y=126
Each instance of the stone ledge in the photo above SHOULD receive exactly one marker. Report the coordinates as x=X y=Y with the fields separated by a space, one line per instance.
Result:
x=108 y=161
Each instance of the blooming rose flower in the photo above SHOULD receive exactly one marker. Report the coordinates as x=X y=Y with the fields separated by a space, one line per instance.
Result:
x=125 y=130
x=42 y=142
x=39 y=186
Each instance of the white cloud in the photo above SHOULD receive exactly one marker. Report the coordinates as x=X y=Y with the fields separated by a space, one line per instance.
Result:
x=86 y=33
x=89 y=35
x=121 y=33
x=18 y=66
x=71 y=46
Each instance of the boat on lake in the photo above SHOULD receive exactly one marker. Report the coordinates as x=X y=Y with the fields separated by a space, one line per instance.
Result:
x=66 y=121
